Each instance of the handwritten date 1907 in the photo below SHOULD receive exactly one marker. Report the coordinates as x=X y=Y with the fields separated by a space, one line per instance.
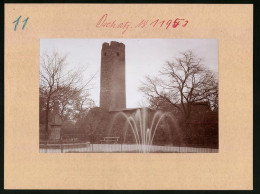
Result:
x=124 y=26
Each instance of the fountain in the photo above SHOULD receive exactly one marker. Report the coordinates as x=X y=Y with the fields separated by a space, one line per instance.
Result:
x=143 y=130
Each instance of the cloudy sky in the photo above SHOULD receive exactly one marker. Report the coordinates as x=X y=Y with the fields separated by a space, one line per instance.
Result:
x=143 y=57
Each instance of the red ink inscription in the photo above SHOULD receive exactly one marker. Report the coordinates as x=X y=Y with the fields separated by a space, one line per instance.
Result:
x=104 y=22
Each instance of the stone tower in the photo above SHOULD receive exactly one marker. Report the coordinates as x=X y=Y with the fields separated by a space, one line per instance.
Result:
x=112 y=76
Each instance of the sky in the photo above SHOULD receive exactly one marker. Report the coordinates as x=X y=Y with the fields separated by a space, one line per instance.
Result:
x=143 y=57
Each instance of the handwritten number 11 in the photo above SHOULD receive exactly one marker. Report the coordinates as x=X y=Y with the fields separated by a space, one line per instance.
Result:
x=17 y=22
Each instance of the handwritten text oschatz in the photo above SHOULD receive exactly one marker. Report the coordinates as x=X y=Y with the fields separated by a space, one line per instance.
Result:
x=105 y=22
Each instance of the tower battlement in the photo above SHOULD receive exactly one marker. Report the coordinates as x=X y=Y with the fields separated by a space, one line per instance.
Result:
x=112 y=80
x=113 y=45
x=114 y=49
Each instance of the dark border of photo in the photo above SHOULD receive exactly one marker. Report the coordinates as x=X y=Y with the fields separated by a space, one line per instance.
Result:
x=256 y=95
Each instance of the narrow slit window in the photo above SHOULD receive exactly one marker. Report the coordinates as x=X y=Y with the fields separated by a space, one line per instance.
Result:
x=117 y=53
x=105 y=54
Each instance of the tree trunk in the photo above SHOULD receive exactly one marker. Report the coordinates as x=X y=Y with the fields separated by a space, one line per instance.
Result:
x=47 y=121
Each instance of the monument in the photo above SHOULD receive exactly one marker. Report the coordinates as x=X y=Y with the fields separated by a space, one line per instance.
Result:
x=54 y=126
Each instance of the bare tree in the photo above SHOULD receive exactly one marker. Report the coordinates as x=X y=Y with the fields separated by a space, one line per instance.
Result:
x=58 y=83
x=82 y=106
x=182 y=83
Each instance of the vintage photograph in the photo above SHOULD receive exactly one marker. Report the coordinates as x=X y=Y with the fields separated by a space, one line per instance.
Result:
x=128 y=96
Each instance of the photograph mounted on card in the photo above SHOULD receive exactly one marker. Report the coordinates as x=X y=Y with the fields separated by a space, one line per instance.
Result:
x=128 y=95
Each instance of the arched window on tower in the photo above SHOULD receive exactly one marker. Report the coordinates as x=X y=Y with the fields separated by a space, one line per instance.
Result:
x=105 y=54
x=117 y=53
